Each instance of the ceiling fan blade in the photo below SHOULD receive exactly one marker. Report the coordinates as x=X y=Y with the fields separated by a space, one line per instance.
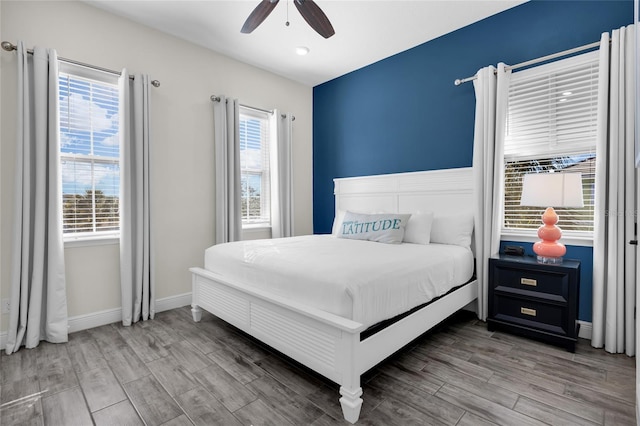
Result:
x=258 y=15
x=315 y=17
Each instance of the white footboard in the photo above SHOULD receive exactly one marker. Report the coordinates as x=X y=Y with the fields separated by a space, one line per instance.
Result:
x=326 y=343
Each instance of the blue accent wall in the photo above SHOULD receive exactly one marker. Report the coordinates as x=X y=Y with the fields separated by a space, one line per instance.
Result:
x=405 y=114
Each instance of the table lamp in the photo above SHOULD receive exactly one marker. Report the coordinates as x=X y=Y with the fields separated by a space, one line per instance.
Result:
x=555 y=190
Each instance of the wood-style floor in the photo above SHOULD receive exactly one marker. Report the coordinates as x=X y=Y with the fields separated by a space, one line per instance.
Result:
x=172 y=371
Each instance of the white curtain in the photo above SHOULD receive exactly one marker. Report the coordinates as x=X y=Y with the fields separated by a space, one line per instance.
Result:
x=226 y=117
x=136 y=244
x=614 y=259
x=492 y=90
x=281 y=176
x=38 y=290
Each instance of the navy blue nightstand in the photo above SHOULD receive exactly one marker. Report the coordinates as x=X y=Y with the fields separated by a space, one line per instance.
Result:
x=534 y=299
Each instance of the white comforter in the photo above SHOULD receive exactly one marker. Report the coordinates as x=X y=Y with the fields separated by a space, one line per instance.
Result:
x=361 y=280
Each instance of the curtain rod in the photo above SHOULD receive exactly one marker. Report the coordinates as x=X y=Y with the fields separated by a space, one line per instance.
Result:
x=459 y=81
x=8 y=46
x=215 y=98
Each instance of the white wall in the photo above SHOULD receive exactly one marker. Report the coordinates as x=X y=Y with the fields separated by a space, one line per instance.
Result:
x=181 y=138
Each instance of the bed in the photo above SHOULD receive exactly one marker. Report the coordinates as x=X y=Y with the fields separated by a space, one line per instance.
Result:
x=330 y=331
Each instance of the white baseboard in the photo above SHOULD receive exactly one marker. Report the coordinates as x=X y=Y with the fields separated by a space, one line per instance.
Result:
x=96 y=319
x=173 y=302
x=108 y=316
x=586 y=328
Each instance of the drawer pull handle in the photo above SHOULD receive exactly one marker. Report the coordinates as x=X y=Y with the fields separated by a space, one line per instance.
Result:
x=528 y=281
x=527 y=311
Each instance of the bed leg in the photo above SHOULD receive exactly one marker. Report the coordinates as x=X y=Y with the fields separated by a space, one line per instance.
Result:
x=351 y=403
x=196 y=312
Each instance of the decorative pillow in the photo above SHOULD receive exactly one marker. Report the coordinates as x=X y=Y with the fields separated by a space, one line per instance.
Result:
x=382 y=228
x=418 y=230
x=337 y=222
x=452 y=230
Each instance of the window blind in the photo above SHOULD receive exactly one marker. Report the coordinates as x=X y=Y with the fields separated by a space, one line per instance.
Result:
x=90 y=156
x=254 y=167
x=553 y=108
x=551 y=126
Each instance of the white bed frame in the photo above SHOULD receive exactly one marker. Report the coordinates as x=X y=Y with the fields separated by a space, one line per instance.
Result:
x=327 y=343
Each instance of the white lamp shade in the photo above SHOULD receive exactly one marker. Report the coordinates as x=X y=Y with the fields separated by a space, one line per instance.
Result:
x=552 y=190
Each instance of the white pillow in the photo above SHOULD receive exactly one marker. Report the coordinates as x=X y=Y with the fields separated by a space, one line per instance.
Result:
x=418 y=230
x=454 y=230
x=382 y=228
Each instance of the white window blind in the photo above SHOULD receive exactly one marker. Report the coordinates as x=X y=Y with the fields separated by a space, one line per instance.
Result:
x=89 y=154
x=254 y=167
x=551 y=126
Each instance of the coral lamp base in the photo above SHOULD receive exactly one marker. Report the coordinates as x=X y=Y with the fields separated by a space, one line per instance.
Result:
x=549 y=250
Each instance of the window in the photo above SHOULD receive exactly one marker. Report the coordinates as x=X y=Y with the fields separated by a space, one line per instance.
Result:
x=254 y=168
x=89 y=153
x=551 y=126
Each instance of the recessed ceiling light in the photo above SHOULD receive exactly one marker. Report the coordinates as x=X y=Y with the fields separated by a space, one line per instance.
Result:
x=567 y=93
x=302 y=50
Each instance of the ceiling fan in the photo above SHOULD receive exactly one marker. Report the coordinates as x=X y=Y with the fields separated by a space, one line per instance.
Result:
x=310 y=11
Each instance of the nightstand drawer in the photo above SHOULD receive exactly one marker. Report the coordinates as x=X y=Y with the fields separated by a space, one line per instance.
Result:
x=531 y=313
x=531 y=280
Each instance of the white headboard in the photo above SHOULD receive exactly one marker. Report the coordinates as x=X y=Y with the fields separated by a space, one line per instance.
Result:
x=443 y=192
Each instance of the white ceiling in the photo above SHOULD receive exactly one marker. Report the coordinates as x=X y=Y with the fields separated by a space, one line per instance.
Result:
x=366 y=31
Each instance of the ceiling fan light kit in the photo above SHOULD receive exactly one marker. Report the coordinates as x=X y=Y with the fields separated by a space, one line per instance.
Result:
x=311 y=12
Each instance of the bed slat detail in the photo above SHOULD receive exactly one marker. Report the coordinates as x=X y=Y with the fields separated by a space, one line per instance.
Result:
x=225 y=304
x=310 y=342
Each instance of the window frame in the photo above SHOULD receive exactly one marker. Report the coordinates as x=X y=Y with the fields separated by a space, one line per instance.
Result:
x=89 y=238
x=578 y=238
x=264 y=172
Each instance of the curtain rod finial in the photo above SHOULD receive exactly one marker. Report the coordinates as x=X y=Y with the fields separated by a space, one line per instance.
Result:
x=8 y=46
x=155 y=83
x=215 y=98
